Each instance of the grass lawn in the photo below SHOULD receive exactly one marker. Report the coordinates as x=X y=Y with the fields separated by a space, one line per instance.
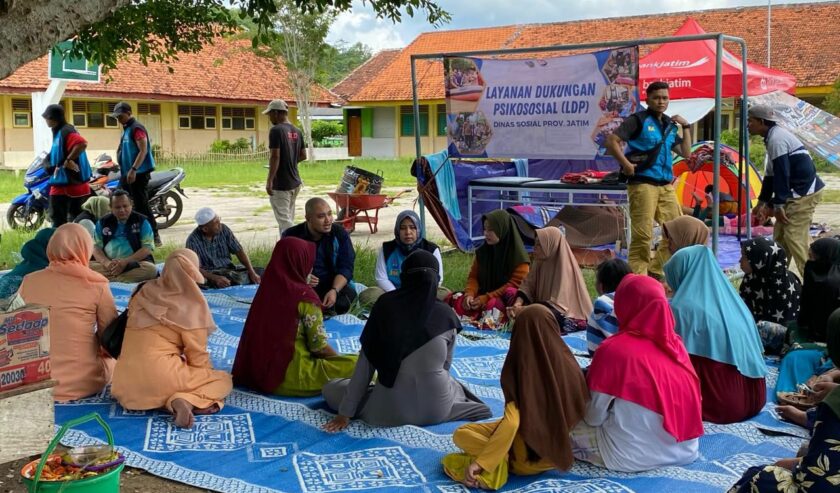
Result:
x=323 y=173
x=240 y=176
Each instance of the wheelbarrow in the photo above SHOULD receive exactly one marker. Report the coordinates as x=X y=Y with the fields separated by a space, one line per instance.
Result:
x=361 y=208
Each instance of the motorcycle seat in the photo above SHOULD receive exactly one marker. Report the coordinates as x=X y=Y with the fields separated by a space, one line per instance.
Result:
x=159 y=178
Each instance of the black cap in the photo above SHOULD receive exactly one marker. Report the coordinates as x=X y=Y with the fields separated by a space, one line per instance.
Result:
x=54 y=112
x=120 y=108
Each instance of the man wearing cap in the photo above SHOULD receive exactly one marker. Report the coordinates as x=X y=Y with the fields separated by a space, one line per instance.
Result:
x=136 y=162
x=791 y=188
x=214 y=243
x=285 y=142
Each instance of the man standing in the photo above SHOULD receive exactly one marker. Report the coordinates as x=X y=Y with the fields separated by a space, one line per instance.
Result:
x=650 y=135
x=214 y=243
x=136 y=162
x=285 y=143
x=334 y=257
x=123 y=243
x=791 y=188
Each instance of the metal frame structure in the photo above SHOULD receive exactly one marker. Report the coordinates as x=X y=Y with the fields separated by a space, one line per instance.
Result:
x=719 y=38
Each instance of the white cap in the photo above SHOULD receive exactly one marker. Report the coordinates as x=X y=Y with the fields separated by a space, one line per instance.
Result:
x=278 y=105
x=204 y=216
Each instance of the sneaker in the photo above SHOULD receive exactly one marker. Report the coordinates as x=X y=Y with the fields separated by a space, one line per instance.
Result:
x=158 y=243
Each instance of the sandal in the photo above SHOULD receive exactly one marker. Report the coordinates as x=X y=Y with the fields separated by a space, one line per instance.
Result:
x=800 y=401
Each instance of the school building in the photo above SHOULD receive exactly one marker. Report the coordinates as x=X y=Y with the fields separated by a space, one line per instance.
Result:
x=215 y=94
x=378 y=98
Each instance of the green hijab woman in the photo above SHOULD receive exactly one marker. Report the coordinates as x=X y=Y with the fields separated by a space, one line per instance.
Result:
x=34 y=253
x=500 y=266
x=497 y=261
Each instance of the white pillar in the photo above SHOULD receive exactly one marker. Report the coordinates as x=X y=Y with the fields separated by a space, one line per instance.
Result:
x=41 y=134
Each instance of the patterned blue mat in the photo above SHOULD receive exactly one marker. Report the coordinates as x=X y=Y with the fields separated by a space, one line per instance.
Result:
x=260 y=444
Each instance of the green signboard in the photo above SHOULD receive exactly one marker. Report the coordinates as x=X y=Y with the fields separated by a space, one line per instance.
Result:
x=66 y=67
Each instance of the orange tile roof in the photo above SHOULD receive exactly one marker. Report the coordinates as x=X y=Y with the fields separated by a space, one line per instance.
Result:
x=364 y=74
x=394 y=82
x=804 y=39
x=226 y=71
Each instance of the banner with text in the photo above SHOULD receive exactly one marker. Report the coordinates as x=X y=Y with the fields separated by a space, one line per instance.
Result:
x=817 y=129
x=556 y=108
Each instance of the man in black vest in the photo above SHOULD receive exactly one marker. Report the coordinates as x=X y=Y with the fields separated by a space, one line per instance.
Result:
x=124 y=242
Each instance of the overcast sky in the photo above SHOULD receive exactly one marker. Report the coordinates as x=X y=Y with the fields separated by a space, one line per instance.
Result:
x=362 y=25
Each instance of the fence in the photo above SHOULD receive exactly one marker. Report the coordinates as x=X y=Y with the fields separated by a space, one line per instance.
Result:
x=167 y=158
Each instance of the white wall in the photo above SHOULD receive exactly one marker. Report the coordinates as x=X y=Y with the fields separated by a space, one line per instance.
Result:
x=384 y=123
x=379 y=148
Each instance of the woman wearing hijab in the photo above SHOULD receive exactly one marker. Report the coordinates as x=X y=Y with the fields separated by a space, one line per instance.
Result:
x=164 y=361
x=393 y=253
x=818 y=471
x=34 y=253
x=685 y=231
x=555 y=280
x=820 y=288
x=533 y=435
x=284 y=348
x=769 y=289
x=409 y=341
x=94 y=209
x=645 y=410
x=500 y=266
x=68 y=166
x=81 y=305
x=719 y=333
x=820 y=297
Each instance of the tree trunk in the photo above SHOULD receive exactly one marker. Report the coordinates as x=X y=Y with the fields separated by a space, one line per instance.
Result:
x=30 y=28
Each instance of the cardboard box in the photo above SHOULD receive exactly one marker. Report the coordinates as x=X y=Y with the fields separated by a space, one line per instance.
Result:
x=24 y=346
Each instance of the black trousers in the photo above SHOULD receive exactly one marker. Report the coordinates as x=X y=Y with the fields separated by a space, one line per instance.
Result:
x=140 y=196
x=342 y=301
x=63 y=208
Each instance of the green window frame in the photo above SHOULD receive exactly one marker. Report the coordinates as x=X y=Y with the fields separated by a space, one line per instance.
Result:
x=441 y=120
x=407 y=121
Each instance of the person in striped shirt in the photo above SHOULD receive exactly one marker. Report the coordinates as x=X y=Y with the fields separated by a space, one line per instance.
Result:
x=602 y=322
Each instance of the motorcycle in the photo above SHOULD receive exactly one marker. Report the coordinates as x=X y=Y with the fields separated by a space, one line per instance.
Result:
x=29 y=210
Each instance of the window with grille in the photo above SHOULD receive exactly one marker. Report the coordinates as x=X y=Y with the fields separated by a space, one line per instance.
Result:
x=148 y=109
x=238 y=118
x=196 y=117
x=407 y=121
x=441 y=120
x=21 y=113
x=94 y=114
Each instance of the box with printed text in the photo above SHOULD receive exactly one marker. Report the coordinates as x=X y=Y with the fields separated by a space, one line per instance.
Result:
x=24 y=346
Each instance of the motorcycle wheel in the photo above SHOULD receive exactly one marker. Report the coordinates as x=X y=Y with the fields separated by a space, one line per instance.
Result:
x=18 y=218
x=167 y=209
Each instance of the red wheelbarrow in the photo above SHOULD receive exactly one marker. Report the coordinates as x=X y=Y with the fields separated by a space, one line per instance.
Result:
x=360 y=208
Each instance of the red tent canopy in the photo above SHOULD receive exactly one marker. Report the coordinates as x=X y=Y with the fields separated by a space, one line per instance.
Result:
x=689 y=67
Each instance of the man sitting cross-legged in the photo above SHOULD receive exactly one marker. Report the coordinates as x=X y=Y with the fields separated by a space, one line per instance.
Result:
x=124 y=242
x=214 y=243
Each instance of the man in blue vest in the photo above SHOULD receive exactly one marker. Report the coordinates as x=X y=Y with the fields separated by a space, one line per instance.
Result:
x=136 y=162
x=335 y=257
x=123 y=243
x=791 y=188
x=647 y=163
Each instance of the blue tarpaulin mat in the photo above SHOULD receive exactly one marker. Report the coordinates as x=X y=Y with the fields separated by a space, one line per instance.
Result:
x=267 y=444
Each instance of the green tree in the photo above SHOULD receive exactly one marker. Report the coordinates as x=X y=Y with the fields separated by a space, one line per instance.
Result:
x=155 y=30
x=831 y=103
x=341 y=59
